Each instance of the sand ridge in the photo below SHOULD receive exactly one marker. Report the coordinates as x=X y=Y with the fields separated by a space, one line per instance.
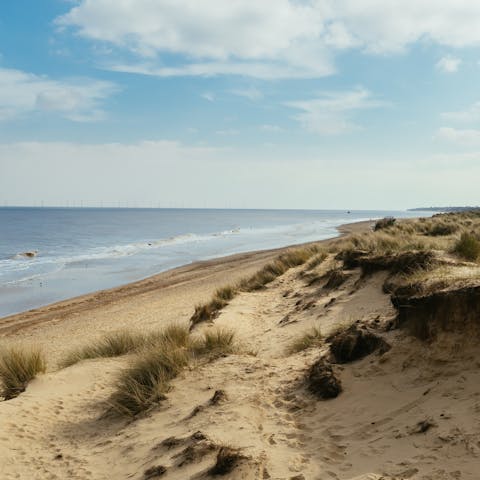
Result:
x=409 y=413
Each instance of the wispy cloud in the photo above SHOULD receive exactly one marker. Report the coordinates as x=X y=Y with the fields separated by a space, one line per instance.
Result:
x=266 y=71
x=330 y=112
x=449 y=64
x=470 y=114
x=464 y=138
x=77 y=100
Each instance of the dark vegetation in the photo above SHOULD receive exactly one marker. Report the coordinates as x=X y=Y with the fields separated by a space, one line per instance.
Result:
x=321 y=380
x=384 y=223
x=468 y=247
x=441 y=229
x=403 y=262
x=227 y=460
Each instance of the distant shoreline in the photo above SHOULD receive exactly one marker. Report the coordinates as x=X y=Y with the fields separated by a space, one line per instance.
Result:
x=443 y=209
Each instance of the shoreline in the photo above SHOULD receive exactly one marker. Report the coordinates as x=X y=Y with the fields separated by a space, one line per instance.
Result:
x=181 y=288
x=90 y=288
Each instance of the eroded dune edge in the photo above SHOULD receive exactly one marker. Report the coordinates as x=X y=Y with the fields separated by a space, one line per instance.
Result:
x=355 y=358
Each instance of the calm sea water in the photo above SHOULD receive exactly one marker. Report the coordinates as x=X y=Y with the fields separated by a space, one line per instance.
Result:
x=81 y=250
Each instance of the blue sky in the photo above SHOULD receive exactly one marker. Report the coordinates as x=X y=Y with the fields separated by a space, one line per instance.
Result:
x=275 y=104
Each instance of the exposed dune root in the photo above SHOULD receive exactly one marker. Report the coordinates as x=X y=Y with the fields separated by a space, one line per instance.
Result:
x=335 y=278
x=354 y=343
x=448 y=310
x=322 y=381
x=227 y=459
x=154 y=472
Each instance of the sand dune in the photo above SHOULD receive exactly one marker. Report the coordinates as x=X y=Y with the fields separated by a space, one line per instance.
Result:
x=408 y=413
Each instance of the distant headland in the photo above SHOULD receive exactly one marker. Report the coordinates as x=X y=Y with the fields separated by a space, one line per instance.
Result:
x=443 y=209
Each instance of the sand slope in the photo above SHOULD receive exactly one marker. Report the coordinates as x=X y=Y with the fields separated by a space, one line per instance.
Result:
x=411 y=413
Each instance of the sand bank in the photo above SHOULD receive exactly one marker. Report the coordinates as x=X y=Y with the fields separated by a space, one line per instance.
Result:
x=409 y=413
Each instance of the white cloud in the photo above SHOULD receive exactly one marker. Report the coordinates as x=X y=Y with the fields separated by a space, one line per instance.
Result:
x=78 y=100
x=386 y=26
x=269 y=38
x=449 y=64
x=330 y=113
x=251 y=93
x=470 y=114
x=465 y=138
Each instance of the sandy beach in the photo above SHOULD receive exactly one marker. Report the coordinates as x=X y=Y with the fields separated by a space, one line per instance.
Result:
x=405 y=412
x=167 y=297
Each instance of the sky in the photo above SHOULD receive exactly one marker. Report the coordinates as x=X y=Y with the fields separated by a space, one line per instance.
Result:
x=315 y=104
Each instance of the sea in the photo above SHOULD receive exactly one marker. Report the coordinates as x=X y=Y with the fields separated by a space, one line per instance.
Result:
x=74 y=251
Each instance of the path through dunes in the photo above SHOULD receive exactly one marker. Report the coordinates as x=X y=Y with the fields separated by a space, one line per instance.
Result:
x=409 y=413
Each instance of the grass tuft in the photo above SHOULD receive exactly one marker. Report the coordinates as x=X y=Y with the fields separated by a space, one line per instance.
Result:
x=257 y=281
x=384 y=223
x=311 y=338
x=123 y=342
x=216 y=343
x=264 y=276
x=316 y=261
x=147 y=379
x=468 y=247
x=18 y=366
x=226 y=293
x=174 y=334
x=111 y=345
x=211 y=310
x=441 y=229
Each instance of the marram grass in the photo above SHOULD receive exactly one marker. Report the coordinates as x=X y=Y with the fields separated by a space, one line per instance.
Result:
x=147 y=378
x=18 y=366
x=124 y=342
x=310 y=338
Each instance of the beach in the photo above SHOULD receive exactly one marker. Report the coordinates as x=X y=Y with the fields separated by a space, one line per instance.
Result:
x=52 y=254
x=402 y=410
x=167 y=297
